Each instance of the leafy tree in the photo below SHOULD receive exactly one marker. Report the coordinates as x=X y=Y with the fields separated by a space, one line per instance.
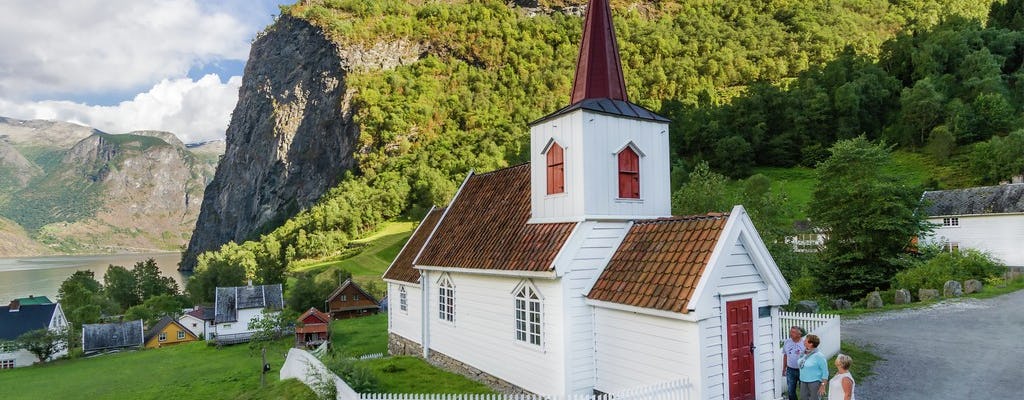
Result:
x=704 y=192
x=270 y=326
x=43 y=343
x=121 y=286
x=157 y=307
x=213 y=271
x=999 y=158
x=307 y=293
x=83 y=300
x=151 y=282
x=868 y=214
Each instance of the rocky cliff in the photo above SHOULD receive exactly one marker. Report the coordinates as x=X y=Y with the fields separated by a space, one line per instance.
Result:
x=66 y=188
x=291 y=137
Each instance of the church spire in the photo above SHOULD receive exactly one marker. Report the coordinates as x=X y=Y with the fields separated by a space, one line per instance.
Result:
x=598 y=69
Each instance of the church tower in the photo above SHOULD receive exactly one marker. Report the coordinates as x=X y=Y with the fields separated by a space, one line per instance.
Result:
x=601 y=157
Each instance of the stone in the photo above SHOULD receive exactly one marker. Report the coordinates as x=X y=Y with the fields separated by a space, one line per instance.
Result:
x=874 y=300
x=952 y=289
x=927 y=294
x=902 y=296
x=972 y=286
x=807 y=306
x=841 y=304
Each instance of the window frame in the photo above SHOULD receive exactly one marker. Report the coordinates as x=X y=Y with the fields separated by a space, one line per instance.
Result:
x=8 y=363
x=403 y=300
x=950 y=222
x=446 y=299
x=181 y=335
x=628 y=175
x=555 y=168
x=528 y=316
x=343 y=297
x=162 y=337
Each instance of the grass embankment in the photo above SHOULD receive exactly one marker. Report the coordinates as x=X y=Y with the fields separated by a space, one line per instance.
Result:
x=863 y=361
x=358 y=336
x=191 y=370
x=371 y=257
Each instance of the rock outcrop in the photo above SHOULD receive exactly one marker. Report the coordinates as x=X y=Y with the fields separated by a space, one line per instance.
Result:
x=291 y=137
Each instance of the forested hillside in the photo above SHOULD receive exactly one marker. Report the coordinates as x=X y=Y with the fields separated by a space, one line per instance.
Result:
x=747 y=83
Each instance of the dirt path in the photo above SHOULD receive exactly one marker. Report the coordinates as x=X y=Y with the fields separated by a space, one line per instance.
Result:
x=962 y=349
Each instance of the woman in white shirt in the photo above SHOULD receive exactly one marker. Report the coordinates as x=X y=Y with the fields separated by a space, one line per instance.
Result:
x=841 y=386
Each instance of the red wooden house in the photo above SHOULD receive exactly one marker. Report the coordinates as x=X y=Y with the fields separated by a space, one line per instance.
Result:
x=349 y=301
x=314 y=329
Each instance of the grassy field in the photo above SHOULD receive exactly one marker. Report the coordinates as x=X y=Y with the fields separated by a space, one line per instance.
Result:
x=987 y=291
x=374 y=254
x=192 y=370
x=863 y=361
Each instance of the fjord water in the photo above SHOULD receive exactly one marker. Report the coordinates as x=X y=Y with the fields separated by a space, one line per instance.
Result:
x=42 y=276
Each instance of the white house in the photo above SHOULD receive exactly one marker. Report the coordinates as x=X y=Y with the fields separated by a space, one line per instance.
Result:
x=199 y=320
x=989 y=218
x=17 y=319
x=569 y=275
x=235 y=307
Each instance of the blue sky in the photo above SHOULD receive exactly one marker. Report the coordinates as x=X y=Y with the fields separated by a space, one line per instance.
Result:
x=123 y=65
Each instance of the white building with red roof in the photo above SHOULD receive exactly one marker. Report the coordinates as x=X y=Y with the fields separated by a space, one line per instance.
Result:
x=569 y=274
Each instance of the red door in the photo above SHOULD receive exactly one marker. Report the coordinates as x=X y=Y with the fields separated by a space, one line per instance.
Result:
x=740 y=327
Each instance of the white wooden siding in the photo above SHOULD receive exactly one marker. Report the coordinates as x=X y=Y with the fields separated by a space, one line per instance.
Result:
x=635 y=349
x=586 y=255
x=483 y=334
x=592 y=141
x=1000 y=235
x=240 y=326
x=741 y=277
x=406 y=324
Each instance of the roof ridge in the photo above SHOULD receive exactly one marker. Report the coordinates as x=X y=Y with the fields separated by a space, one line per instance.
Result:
x=501 y=170
x=674 y=218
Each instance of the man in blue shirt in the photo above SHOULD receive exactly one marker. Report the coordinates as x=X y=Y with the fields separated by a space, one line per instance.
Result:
x=792 y=349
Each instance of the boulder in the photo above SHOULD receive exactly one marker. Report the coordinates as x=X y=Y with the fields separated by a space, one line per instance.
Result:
x=874 y=300
x=807 y=306
x=972 y=286
x=902 y=297
x=840 y=304
x=927 y=294
x=952 y=289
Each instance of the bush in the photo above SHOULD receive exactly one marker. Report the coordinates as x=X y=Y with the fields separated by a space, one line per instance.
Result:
x=934 y=272
x=356 y=375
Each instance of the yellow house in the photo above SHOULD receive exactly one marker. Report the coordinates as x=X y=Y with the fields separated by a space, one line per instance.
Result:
x=168 y=332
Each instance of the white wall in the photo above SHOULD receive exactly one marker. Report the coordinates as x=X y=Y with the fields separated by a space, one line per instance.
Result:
x=483 y=333
x=586 y=254
x=1001 y=235
x=740 y=277
x=199 y=327
x=591 y=142
x=240 y=326
x=635 y=349
x=405 y=323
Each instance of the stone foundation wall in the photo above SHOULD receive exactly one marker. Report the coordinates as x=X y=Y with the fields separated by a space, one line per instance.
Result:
x=400 y=346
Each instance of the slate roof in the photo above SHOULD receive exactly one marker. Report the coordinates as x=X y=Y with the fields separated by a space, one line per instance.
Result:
x=203 y=313
x=28 y=318
x=660 y=262
x=607 y=106
x=231 y=299
x=100 y=337
x=485 y=227
x=34 y=300
x=402 y=268
x=976 y=200
x=160 y=325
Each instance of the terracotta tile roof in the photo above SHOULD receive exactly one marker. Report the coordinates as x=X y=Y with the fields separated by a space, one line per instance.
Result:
x=485 y=227
x=660 y=262
x=401 y=269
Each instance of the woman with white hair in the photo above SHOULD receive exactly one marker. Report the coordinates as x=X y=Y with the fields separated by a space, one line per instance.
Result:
x=840 y=387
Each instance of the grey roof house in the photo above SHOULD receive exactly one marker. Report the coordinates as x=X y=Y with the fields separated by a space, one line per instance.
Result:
x=98 y=338
x=235 y=307
x=988 y=218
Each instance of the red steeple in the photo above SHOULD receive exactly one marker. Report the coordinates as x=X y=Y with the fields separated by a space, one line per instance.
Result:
x=598 y=69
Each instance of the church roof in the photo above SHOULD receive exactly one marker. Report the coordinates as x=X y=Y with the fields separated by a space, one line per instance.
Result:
x=607 y=106
x=402 y=268
x=660 y=262
x=486 y=227
x=977 y=200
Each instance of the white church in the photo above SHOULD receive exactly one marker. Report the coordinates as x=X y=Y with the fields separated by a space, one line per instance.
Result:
x=569 y=275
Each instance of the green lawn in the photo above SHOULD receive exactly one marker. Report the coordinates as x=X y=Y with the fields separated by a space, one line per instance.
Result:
x=863 y=361
x=357 y=336
x=373 y=257
x=192 y=370
x=796 y=183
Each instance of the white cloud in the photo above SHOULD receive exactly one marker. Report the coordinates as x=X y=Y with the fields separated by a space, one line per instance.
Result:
x=59 y=48
x=194 y=110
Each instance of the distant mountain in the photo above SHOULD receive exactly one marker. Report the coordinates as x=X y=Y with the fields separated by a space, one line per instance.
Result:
x=66 y=188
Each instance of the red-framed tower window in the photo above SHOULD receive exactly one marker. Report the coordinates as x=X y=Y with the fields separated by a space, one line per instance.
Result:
x=556 y=169
x=629 y=174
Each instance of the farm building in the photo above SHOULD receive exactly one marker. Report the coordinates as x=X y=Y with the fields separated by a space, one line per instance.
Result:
x=569 y=274
x=314 y=329
x=349 y=301
x=98 y=338
x=989 y=218
x=235 y=307
x=17 y=318
x=168 y=332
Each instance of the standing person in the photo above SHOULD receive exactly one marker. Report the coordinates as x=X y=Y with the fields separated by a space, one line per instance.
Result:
x=841 y=386
x=792 y=349
x=813 y=370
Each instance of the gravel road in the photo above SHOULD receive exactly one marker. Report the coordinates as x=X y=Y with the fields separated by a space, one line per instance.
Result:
x=958 y=349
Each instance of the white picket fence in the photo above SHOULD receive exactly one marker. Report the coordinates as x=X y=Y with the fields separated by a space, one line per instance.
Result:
x=674 y=390
x=825 y=326
x=371 y=356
